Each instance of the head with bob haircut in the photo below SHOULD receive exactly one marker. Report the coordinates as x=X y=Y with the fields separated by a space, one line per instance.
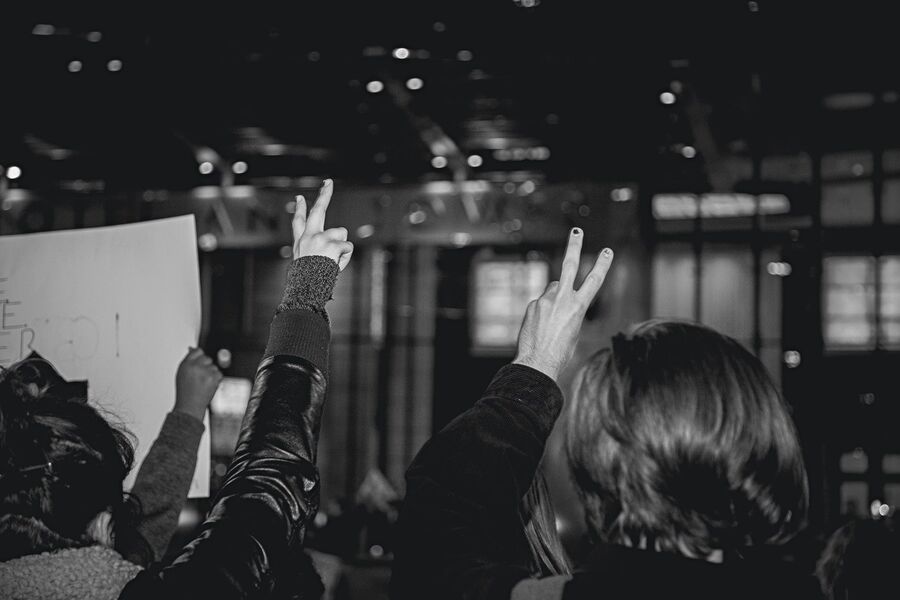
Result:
x=678 y=441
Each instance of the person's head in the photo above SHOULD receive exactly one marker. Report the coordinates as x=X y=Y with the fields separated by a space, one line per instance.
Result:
x=61 y=464
x=678 y=441
x=861 y=561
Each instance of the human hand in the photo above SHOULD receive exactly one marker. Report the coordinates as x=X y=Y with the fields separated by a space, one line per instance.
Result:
x=196 y=382
x=310 y=237
x=553 y=321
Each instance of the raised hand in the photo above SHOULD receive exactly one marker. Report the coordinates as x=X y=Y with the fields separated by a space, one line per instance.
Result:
x=196 y=382
x=553 y=321
x=310 y=236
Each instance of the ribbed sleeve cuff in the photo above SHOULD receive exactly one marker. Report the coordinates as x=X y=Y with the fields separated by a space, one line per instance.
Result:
x=530 y=387
x=302 y=333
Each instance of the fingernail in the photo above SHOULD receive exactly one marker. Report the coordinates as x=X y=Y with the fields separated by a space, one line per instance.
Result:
x=576 y=231
x=607 y=252
x=299 y=197
x=327 y=182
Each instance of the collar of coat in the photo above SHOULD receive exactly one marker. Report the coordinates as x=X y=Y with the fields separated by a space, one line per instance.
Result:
x=89 y=573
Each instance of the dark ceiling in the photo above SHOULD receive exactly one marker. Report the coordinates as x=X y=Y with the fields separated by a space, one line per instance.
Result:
x=285 y=90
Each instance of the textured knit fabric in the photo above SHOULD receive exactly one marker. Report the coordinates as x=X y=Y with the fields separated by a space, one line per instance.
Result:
x=301 y=327
x=310 y=283
x=91 y=573
x=162 y=486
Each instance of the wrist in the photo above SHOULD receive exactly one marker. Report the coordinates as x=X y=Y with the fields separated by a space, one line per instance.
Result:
x=197 y=412
x=548 y=368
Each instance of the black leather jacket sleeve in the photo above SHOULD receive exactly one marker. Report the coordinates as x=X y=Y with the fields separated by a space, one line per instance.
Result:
x=257 y=522
x=270 y=492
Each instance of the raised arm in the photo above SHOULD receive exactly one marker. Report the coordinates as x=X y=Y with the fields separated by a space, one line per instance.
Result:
x=460 y=533
x=165 y=475
x=271 y=489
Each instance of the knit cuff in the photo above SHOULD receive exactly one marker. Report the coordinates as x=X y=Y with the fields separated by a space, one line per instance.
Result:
x=300 y=333
x=310 y=283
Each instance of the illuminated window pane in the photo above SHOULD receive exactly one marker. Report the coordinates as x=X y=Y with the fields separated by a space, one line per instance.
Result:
x=226 y=414
x=727 y=290
x=890 y=464
x=849 y=302
x=848 y=203
x=796 y=168
x=890 y=201
x=845 y=165
x=854 y=498
x=892 y=495
x=890 y=302
x=503 y=290
x=854 y=462
x=674 y=280
x=890 y=160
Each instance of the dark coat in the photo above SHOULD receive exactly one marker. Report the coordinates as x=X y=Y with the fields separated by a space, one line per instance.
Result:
x=250 y=545
x=460 y=536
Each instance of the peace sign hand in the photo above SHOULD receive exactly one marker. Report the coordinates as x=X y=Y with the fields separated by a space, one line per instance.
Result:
x=553 y=321
x=310 y=236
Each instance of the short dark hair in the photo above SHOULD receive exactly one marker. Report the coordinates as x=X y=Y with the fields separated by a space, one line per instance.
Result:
x=61 y=462
x=678 y=440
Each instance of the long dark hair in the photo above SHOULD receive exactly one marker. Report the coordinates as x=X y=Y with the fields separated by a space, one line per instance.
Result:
x=61 y=463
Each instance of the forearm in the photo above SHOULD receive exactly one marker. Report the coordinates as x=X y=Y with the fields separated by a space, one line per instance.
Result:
x=490 y=453
x=272 y=486
x=464 y=489
x=162 y=486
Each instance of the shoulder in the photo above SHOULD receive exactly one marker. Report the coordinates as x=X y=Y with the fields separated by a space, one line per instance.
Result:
x=546 y=588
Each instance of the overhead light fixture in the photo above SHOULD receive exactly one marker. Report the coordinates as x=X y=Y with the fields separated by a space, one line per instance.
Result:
x=475 y=161
x=667 y=98
x=374 y=86
x=239 y=168
x=414 y=83
x=205 y=167
x=401 y=53
x=439 y=162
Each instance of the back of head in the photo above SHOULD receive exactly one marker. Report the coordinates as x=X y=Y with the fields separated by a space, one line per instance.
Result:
x=61 y=462
x=678 y=441
x=861 y=561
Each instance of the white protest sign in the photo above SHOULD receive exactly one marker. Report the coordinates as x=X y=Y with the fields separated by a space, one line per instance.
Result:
x=117 y=306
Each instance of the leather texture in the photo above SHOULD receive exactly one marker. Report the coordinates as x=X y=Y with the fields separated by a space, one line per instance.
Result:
x=257 y=523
